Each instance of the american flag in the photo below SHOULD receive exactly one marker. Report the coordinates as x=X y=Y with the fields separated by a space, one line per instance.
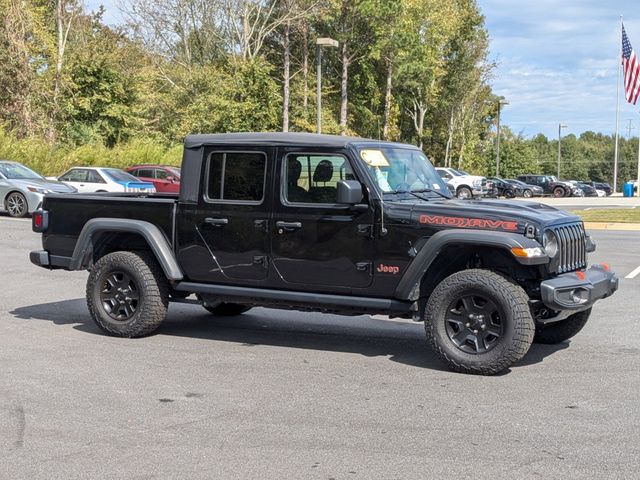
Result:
x=631 y=69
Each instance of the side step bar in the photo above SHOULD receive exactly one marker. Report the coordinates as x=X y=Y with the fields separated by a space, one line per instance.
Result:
x=292 y=299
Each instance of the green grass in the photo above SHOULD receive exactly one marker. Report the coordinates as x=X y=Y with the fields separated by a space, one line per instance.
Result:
x=617 y=215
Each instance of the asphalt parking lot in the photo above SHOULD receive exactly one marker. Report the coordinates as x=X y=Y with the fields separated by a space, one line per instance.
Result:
x=274 y=394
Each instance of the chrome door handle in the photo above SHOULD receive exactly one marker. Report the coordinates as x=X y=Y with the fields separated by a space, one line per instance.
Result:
x=216 y=222
x=288 y=226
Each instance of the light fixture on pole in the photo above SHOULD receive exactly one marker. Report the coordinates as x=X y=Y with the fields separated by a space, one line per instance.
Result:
x=321 y=42
x=560 y=127
x=501 y=101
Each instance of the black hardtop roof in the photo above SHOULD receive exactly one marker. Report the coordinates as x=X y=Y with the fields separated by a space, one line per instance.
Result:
x=280 y=139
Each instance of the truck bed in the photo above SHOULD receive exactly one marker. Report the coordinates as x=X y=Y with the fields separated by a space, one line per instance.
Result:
x=68 y=214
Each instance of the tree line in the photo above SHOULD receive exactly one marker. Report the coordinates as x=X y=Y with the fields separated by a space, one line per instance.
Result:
x=74 y=89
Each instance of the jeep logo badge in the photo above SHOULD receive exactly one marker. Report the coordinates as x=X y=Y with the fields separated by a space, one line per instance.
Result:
x=392 y=269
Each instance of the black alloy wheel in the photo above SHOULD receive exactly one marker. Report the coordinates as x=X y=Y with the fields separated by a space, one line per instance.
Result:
x=119 y=295
x=474 y=323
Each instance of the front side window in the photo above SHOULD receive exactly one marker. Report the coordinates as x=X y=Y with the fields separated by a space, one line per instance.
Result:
x=313 y=178
x=237 y=176
x=75 y=175
x=396 y=170
x=94 y=177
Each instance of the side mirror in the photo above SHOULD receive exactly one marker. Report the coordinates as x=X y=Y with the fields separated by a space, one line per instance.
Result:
x=349 y=192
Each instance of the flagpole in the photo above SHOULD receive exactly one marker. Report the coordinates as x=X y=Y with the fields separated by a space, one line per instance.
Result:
x=638 y=177
x=615 y=154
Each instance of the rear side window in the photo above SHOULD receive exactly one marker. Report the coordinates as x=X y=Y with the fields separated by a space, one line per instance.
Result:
x=94 y=177
x=143 y=172
x=236 y=177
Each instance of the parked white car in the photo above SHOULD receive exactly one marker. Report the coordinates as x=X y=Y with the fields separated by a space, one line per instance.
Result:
x=464 y=185
x=97 y=179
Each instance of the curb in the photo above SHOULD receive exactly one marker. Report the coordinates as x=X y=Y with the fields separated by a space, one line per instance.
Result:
x=612 y=226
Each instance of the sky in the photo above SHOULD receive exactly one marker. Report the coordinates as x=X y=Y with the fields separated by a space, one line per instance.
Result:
x=556 y=61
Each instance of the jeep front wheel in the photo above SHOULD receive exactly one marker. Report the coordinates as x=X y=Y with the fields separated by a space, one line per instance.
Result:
x=479 y=322
x=127 y=294
x=558 y=332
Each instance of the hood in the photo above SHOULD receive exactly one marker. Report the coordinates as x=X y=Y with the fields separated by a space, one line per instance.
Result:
x=51 y=185
x=497 y=215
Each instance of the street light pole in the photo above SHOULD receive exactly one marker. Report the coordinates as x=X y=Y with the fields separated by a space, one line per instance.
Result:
x=560 y=127
x=501 y=102
x=321 y=42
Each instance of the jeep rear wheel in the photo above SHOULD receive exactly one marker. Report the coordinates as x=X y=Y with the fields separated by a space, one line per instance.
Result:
x=464 y=193
x=479 y=322
x=227 y=309
x=558 y=332
x=127 y=294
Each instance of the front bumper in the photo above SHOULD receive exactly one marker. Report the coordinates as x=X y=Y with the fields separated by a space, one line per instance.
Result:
x=578 y=290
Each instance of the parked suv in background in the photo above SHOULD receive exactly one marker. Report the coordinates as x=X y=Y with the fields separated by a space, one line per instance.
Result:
x=550 y=184
x=166 y=179
x=465 y=185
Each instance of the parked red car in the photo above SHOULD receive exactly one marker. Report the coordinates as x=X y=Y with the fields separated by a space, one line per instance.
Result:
x=165 y=178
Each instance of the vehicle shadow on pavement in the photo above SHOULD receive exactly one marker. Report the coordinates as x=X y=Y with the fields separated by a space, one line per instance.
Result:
x=400 y=341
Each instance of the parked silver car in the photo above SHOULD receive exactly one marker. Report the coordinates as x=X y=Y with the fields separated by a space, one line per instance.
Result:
x=22 y=189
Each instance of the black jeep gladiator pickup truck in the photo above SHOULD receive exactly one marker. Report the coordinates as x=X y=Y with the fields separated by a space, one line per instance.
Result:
x=331 y=224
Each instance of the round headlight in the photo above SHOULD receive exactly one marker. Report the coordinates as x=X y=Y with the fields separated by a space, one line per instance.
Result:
x=550 y=243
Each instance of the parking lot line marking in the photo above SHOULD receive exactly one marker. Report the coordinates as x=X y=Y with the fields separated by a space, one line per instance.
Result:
x=634 y=274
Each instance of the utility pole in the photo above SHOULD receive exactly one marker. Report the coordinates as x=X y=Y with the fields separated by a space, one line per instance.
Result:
x=560 y=127
x=321 y=42
x=501 y=101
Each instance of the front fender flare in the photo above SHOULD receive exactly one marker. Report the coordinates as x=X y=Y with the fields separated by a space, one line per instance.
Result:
x=150 y=232
x=444 y=238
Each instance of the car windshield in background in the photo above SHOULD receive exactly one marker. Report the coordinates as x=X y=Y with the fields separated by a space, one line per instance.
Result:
x=120 y=176
x=462 y=172
x=398 y=170
x=174 y=170
x=15 y=171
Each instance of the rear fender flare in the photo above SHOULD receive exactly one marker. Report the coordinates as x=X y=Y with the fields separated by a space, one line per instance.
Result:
x=445 y=238
x=154 y=237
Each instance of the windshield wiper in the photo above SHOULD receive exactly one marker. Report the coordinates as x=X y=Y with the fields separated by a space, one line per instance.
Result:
x=429 y=190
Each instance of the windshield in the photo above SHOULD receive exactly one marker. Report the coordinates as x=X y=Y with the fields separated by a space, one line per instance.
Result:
x=120 y=176
x=462 y=172
x=15 y=171
x=175 y=171
x=552 y=178
x=396 y=170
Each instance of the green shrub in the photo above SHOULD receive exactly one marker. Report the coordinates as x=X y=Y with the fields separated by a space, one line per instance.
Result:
x=55 y=160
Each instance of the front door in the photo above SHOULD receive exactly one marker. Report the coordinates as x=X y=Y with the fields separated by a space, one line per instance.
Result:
x=230 y=239
x=316 y=241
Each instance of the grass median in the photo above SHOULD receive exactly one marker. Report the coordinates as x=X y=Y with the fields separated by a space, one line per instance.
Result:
x=613 y=215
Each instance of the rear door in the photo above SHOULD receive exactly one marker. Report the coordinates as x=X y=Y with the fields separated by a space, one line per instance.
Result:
x=231 y=220
x=315 y=240
x=78 y=178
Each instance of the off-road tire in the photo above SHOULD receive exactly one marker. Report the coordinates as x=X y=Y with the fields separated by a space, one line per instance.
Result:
x=152 y=288
x=519 y=327
x=509 y=194
x=527 y=193
x=558 y=332
x=559 y=192
x=227 y=309
x=464 y=192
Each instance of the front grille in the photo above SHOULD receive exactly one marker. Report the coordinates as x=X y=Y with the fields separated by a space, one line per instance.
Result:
x=572 y=247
